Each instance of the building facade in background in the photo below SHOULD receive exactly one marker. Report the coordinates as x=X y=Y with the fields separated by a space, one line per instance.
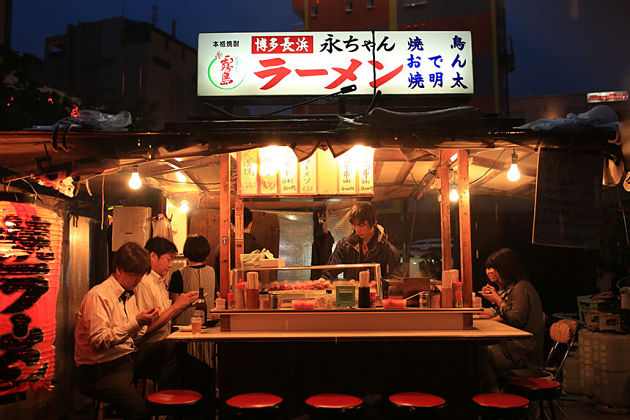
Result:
x=125 y=64
x=492 y=58
x=6 y=18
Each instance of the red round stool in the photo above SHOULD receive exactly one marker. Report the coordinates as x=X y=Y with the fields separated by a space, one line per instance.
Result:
x=327 y=406
x=254 y=405
x=412 y=404
x=537 y=389
x=499 y=405
x=173 y=402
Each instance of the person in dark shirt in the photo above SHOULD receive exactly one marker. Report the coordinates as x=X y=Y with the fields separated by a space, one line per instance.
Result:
x=367 y=244
x=516 y=304
x=195 y=275
x=249 y=242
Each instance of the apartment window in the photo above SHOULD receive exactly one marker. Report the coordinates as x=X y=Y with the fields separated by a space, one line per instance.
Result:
x=370 y=4
x=314 y=11
x=348 y=6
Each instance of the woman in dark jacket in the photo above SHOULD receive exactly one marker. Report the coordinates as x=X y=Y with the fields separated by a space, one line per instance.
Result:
x=515 y=303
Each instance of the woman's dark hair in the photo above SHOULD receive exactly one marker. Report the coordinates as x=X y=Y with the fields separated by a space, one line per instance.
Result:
x=196 y=248
x=132 y=258
x=508 y=264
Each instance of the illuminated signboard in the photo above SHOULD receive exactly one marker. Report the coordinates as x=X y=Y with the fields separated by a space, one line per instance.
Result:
x=595 y=97
x=319 y=63
x=275 y=171
x=30 y=265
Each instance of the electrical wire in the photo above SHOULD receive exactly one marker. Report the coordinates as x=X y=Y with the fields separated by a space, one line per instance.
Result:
x=32 y=188
x=489 y=169
x=186 y=182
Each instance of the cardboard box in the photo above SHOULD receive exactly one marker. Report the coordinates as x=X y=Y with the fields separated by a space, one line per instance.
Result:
x=609 y=322
x=131 y=224
x=603 y=321
x=587 y=303
x=272 y=262
x=592 y=320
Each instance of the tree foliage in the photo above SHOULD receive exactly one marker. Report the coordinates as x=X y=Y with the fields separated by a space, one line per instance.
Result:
x=24 y=101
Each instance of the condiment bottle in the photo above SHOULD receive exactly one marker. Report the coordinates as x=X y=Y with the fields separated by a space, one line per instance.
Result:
x=251 y=293
x=457 y=294
x=436 y=297
x=364 y=289
x=423 y=301
x=201 y=309
x=239 y=296
x=264 y=300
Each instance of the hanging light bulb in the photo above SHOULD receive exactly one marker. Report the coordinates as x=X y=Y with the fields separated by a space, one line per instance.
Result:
x=134 y=180
x=183 y=207
x=514 y=174
x=180 y=177
x=454 y=195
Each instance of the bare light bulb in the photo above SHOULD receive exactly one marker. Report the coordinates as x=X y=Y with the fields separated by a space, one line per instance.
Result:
x=134 y=180
x=513 y=174
x=454 y=195
x=183 y=207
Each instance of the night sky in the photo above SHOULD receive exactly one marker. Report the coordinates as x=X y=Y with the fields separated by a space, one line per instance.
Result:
x=562 y=46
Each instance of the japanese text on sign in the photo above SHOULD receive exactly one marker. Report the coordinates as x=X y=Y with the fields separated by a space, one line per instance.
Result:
x=30 y=246
x=411 y=62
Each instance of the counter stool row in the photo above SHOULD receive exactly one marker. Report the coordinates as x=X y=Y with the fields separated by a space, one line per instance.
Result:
x=332 y=405
x=408 y=405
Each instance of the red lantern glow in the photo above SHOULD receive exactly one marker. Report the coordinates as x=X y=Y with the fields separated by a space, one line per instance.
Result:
x=30 y=260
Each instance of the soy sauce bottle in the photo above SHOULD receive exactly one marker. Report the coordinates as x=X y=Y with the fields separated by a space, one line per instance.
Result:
x=201 y=309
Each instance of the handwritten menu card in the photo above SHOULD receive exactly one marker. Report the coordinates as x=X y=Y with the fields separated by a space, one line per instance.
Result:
x=568 y=192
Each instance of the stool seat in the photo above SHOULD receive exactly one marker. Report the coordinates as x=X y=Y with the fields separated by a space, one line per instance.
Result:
x=254 y=400
x=535 y=383
x=172 y=397
x=334 y=401
x=417 y=399
x=500 y=400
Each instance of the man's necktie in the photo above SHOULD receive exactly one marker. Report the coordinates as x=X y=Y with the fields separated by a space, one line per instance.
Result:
x=124 y=296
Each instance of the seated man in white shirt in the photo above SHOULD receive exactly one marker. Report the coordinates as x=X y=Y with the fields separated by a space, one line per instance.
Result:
x=108 y=323
x=158 y=357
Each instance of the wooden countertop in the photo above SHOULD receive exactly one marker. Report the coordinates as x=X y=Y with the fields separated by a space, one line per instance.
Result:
x=483 y=330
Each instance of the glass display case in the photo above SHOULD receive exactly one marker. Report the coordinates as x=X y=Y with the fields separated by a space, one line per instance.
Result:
x=283 y=293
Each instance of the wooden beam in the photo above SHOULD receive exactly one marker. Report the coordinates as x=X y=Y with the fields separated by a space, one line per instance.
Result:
x=238 y=232
x=465 y=242
x=487 y=178
x=188 y=172
x=378 y=167
x=404 y=172
x=445 y=208
x=224 y=225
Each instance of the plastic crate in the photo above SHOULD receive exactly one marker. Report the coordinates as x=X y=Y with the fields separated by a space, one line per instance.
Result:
x=587 y=303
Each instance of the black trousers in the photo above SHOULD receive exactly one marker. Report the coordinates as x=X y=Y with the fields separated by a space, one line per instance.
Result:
x=174 y=368
x=112 y=382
